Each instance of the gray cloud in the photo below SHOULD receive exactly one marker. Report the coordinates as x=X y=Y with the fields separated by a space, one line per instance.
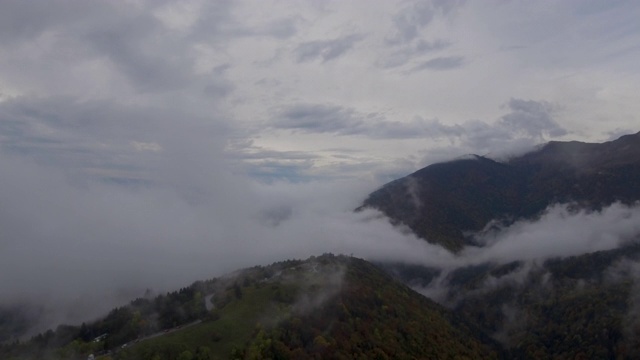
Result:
x=318 y=118
x=259 y=153
x=532 y=117
x=424 y=47
x=17 y=18
x=217 y=23
x=133 y=45
x=281 y=29
x=616 y=133
x=127 y=44
x=412 y=19
x=269 y=166
x=527 y=124
x=407 y=39
x=440 y=63
x=409 y=21
x=527 y=121
x=407 y=53
x=91 y=137
x=270 y=171
x=326 y=50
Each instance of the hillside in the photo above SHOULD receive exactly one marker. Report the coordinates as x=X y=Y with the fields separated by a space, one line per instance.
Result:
x=447 y=203
x=580 y=307
x=325 y=307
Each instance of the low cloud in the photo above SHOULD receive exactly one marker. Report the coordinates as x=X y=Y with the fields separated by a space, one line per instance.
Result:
x=561 y=232
x=74 y=243
x=517 y=257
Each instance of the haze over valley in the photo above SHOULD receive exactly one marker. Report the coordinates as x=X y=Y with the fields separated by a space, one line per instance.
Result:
x=476 y=152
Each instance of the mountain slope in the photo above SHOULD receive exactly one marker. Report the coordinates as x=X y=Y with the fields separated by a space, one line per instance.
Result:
x=444 y=203
x=325 y=307
x=374 y=317
x=581 y=307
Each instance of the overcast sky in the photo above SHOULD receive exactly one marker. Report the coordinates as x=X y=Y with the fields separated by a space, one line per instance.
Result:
x=179 y=139
x=304 y=90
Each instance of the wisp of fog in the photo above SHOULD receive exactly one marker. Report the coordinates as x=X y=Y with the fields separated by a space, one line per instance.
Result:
x=75 y=250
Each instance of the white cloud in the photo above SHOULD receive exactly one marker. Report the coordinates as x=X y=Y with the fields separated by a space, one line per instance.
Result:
x=560 y=232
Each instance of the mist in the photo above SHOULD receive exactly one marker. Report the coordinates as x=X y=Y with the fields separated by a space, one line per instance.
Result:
x=147 y=145
x=560 y=232
x=77 y=249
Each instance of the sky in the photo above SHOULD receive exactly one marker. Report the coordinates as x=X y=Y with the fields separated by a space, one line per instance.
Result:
x=148 y=144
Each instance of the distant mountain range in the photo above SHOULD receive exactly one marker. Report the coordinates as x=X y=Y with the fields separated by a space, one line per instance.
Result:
x=446 y=203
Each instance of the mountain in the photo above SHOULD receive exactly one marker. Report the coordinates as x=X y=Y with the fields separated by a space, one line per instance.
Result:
x=446 y=203
x=325 y=307
x=580 y=307
x=576 y=307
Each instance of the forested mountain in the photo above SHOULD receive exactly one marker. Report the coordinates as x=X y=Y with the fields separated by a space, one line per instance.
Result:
x=547 y=307
x=325 y=307
x=580 y=307
x=446 y=203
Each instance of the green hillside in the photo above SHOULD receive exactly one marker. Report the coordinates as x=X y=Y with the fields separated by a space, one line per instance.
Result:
x=325 y=307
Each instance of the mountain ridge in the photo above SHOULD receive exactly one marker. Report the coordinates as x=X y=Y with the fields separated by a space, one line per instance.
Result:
x=444 y=202
x=324 y=307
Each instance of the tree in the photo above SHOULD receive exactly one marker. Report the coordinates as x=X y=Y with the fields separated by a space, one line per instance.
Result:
x=237 y=290
x=185 y=355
